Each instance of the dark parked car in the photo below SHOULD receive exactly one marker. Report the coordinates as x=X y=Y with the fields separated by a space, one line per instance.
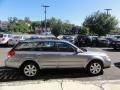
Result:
x=116 y=43
x=82 y=40
x=68 y=38
x=109 y=41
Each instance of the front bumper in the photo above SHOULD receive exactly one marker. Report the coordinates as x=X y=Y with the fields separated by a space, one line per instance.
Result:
x=107 y=64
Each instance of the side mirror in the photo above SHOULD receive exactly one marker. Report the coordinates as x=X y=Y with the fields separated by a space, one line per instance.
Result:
x=84 y=49
x=78 y=51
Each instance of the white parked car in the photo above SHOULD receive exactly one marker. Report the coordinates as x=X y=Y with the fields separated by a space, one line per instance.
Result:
x=15 y=39
x=4 y=38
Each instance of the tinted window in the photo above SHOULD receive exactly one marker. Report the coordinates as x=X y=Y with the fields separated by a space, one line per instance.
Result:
x=28 y=46
x=46 y=46
x=1 y=35
x=65 y=47
x=9 y=36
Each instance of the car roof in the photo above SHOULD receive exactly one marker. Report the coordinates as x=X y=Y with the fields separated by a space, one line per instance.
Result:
x=39 y=40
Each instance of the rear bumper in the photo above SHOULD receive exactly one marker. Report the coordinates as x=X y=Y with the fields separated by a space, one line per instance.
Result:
x=12 y=63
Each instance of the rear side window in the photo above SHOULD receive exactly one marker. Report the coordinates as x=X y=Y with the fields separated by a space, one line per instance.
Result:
x=46 y=47
x=27 y=46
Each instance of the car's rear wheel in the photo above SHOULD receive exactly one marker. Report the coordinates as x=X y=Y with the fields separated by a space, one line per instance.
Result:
x=30 y=70
x=95 y=68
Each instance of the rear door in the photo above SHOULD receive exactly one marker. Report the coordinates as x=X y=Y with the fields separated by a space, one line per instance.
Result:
x=47 y=54
x=25 y=51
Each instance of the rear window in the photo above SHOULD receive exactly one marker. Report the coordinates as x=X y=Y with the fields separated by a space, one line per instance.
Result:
x=1 y=35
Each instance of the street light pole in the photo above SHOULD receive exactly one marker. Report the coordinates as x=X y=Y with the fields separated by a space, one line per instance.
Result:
x=45 y=16
x=107 y=10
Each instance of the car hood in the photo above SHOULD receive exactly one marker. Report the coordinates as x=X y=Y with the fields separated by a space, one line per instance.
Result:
x=94 y=53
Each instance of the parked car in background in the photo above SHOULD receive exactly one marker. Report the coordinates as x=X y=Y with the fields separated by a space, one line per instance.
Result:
x=94 y=41
x=68 y=38
x=83 y=40
x=109 y=41
x=116 y=43
x=102 y=42
x=33 y=55
x=4 y=38
x=33 y=37
x=15 y=39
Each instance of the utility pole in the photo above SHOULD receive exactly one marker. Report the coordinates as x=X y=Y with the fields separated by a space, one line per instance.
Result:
x=107 y=10
x=45 y=16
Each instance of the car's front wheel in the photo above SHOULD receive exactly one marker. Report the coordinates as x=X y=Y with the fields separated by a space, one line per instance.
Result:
x=30 y=70
x=95 y=68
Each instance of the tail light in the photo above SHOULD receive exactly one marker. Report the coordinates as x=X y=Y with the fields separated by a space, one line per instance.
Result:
x=118 y=42
x=11 y=53
x=113 y=43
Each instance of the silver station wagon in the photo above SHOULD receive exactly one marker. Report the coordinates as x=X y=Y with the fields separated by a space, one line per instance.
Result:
x=33 y=55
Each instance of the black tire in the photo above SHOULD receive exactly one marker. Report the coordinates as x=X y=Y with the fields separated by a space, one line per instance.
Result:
x=114 y=48
x=98 y=70
x=6 y=44
x=32 y=65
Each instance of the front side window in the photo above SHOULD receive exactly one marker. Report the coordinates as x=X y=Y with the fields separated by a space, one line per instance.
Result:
x=65 y=47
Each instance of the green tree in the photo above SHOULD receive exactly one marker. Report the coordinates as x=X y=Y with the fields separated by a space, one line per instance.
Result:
x=56 y=31
x=84 y=30
x=100 y=23
x=22 y=26
x=27 y=20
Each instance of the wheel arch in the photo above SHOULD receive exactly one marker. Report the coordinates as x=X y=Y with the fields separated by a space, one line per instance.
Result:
x=95 y=60
x=29 y=61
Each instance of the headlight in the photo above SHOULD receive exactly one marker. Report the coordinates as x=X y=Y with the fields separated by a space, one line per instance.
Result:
x=106 y=58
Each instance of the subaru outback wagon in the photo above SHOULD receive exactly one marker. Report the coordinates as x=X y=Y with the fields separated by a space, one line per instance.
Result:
x=33 y=55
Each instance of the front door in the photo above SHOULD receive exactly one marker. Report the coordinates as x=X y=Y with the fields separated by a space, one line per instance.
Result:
x=68 y=56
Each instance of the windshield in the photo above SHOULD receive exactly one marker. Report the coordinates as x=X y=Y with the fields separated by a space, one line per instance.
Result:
x=17 y=37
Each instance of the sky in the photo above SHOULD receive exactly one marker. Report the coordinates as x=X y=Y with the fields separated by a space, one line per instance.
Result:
x=74 y=11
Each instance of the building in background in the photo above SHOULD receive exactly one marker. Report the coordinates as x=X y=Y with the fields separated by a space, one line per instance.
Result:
x=41 y=30
x=4 y=24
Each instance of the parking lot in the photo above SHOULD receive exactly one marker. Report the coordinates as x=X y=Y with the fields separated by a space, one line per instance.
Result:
x=112 y=73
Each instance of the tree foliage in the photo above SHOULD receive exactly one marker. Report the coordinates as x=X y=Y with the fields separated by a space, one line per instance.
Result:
x=100 y=23
x=16 y=25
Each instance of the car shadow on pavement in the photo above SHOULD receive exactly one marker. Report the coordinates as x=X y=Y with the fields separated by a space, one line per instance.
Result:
x=14 y=75
x=111 y=50
x=117 y=64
